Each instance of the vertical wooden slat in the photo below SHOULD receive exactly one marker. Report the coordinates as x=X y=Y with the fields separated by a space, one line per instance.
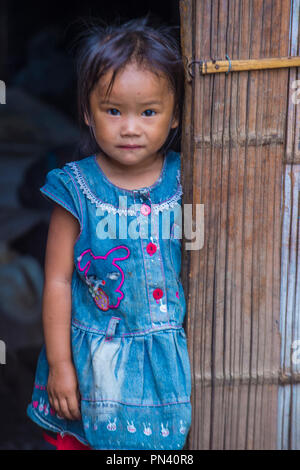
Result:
x=186 y=17
x=234 y=157
x=289 y=392
x=293 y=117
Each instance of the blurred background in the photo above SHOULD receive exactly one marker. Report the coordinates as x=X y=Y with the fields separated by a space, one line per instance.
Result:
x=38 y=132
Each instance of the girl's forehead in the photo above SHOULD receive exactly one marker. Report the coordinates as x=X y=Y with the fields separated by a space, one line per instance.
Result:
x=135 y=80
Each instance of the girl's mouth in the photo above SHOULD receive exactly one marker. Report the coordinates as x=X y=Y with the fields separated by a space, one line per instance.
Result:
x=130 y=146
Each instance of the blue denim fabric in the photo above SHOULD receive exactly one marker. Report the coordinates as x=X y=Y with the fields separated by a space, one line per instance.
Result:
x=128 y=344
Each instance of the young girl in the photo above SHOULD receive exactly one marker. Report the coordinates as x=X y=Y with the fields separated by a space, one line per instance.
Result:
x=115 y=371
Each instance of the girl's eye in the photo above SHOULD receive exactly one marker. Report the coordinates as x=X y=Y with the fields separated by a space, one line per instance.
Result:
x=151 y=111
x=113 y=113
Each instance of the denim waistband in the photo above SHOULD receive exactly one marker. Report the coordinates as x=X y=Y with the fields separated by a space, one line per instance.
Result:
x=110 y=331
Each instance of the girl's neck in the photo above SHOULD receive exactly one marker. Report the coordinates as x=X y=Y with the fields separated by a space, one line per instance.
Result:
x=131 y=177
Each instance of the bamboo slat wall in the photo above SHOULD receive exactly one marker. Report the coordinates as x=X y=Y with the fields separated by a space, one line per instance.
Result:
x=293 y=116
x=289 y=388
x=233 y=150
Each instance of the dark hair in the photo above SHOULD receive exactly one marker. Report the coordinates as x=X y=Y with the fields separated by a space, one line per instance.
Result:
x=104 y=47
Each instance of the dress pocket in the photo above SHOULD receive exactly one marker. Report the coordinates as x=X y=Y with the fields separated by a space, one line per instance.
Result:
x=175 y=248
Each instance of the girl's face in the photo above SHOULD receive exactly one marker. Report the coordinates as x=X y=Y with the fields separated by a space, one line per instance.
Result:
x=134 y=121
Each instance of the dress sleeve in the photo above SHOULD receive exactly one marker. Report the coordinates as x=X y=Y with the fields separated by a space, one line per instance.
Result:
x=60 y=188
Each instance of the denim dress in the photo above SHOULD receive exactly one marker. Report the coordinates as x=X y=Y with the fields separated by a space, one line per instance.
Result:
x=129 y=347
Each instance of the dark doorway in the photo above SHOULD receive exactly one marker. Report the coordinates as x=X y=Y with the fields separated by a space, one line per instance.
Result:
x=39 y=74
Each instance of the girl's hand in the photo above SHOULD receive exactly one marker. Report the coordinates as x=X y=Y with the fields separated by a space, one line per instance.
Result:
x=62 y=388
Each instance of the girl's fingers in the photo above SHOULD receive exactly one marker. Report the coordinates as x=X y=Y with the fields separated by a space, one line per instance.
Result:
x=64 y=409
x=55 y=406
x=50 y=400
x=73 y=405
x=68 y=408
x=53 y=401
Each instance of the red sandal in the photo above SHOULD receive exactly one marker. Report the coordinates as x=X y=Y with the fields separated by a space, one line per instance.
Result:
x=67 y=442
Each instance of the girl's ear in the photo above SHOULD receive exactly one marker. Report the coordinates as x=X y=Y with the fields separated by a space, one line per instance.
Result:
x=175 y=122
x=86 y=120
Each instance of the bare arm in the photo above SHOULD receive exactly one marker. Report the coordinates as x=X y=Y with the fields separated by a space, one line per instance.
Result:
x=62 y=384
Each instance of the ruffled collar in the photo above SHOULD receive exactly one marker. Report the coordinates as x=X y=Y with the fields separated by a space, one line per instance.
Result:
x=164 y=193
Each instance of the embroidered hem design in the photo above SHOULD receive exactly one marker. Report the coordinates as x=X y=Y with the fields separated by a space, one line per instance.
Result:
x=110 y=208
x=43 y=407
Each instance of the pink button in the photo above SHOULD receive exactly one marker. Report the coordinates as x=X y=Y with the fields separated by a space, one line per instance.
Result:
x=151 y=249
x=145 y=210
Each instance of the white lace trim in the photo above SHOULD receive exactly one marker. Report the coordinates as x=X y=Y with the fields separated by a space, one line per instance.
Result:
x=110 y=208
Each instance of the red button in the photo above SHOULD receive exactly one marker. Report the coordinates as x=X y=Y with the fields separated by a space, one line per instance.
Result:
x=151 y=249
x=157 y=294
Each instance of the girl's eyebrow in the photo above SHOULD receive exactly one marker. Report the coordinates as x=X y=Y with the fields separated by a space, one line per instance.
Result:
x=148 y=103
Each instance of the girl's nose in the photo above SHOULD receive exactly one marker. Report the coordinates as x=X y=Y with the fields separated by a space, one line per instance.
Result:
x=130 y=127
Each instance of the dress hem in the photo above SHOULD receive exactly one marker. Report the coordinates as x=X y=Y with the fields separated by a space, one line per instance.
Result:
x=45 y=424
